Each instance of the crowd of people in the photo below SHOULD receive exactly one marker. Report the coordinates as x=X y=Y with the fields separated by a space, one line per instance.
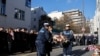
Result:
x=21 y=40
x=86 y=39
x=17 y=40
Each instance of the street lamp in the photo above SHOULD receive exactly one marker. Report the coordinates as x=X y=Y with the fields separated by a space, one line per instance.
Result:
x=83 y=27
x=83 y=6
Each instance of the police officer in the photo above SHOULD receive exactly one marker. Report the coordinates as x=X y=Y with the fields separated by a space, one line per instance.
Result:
x=17 y=39
x=23 y=40
x=31 y=40
x=11 y=40
x=68 y=33
x=42 y=38
x=3 y=41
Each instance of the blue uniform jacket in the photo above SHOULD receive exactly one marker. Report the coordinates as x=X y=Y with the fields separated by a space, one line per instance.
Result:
x=68 y=34
x=43 y=35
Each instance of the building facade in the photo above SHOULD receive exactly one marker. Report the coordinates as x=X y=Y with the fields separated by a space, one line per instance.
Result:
x=76 y=16
x=96 y=18
x=36 y=14
x=15 y=13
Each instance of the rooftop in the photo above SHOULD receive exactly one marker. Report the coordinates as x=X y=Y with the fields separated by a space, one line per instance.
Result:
x=36 y=8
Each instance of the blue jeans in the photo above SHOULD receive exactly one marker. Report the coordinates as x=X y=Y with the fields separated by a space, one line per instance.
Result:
x=67 y=50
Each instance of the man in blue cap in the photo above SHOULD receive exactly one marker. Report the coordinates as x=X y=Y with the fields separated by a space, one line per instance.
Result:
x=42 y=38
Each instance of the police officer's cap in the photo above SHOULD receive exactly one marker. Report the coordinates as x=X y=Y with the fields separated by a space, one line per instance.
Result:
x=46 y=24
x=67 y=25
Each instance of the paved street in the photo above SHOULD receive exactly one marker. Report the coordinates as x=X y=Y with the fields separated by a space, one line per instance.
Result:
x=77 y=51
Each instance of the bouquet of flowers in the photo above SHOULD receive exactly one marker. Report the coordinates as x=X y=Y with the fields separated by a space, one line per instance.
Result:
x=60 y=39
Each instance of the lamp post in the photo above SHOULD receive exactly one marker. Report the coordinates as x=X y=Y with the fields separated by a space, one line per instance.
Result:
x=83 y=27
x=83 y=6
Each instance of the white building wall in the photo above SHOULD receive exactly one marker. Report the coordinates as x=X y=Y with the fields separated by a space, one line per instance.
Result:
x=55 y=15
x=98 y=15
x=91 y=26
x=10 y=21
x=96 y=23
x=96 y=18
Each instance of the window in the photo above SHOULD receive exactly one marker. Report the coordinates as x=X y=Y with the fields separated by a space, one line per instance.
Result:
x=34 y=19
x=28 y=3
x=19 y=14
x=34 y=26
x=3 y=7
x=35 y=12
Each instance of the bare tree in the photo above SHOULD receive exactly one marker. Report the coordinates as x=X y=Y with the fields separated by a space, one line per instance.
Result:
x=45 y=18
x=60 y=23
x=66 y=19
